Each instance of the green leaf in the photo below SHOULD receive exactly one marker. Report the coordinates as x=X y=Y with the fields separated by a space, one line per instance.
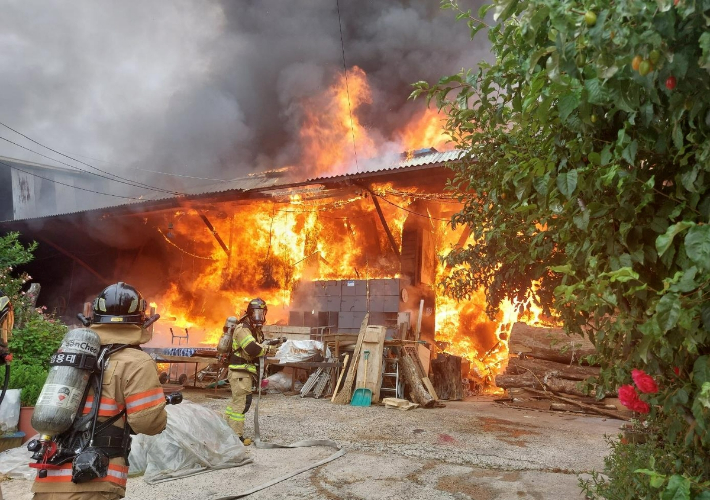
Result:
x=567 y=183
x=703 y=397
x=677 y=136
x=668 y=310
x=541 y=184
x=701 y=371
x=566 y=269
x=697 y=246
x=678 y=488
x=629 y=152
x=623 y=275
x=567 y=105
x=664 y=241
x=595 y=91
x=704 y=43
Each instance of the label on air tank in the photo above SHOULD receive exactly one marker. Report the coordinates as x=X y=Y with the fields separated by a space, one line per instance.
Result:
x=59 y=395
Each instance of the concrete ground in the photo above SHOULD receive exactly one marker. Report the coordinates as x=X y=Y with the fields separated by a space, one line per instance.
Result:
x=475 y=449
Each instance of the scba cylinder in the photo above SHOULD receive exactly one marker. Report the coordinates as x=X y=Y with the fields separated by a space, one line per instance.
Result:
x=64 y=388
x=224 y=346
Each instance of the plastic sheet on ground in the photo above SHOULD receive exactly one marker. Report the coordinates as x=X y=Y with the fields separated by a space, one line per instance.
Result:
x=10 y=411
x=294 y=351
x=15 y=463
x=195 y=440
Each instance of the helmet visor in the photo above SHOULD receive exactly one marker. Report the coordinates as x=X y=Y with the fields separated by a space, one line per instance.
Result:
x=258 y=316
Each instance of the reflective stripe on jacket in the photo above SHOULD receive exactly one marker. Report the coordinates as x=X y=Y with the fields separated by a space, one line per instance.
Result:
x=117 y=474
x=245 y=346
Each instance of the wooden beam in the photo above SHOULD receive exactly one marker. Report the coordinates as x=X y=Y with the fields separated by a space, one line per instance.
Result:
x=75 y=259
x=214 y=233
x=393 y=244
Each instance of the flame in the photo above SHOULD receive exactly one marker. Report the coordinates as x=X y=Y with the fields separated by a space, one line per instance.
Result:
x=425 y=130
x=331 y=125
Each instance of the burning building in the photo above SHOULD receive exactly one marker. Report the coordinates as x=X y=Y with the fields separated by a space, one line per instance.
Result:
x=322 y=252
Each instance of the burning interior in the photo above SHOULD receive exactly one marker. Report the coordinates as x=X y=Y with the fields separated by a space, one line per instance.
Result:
x=322 y=253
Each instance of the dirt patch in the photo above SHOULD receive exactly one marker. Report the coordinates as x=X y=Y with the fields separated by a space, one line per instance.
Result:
x=464 y=483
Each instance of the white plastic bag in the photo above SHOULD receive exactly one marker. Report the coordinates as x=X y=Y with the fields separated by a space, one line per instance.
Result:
x=195 y=440
x=293 y=351
x=279 y=382
x=10 y=411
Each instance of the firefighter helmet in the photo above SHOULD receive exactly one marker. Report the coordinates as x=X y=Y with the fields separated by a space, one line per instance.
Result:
x=119 y=303
x=256 y=311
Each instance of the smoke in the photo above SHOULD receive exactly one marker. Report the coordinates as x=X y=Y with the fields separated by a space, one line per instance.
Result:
x=208 y=89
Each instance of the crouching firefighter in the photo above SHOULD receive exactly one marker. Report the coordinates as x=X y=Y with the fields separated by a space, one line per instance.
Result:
x=101 y=388
x=246 y=346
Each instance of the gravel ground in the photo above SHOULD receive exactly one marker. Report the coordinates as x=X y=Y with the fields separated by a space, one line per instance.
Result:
x=475 y=449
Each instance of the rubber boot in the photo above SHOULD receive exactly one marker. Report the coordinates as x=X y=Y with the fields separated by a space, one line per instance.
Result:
x=245 y=441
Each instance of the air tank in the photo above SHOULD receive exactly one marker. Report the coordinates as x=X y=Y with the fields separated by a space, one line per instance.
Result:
x=224 y=346
x=64 y=388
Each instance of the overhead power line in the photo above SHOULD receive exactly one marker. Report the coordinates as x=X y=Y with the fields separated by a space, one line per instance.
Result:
x=136 y=184
x=73 y=167
x=347 y=87
x=153 y=171
x=64 y=184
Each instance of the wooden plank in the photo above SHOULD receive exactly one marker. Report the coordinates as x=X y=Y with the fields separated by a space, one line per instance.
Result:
x=429 y=387
x=375 y=345
x=292 y=332
x=346 y=392
x=340 y=378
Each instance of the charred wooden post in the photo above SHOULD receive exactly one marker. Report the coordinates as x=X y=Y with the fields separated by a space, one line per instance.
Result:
x=446 y=375
x=418 y=392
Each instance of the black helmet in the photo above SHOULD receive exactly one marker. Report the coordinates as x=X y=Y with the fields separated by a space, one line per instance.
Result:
x=256 y=311
x=119 y=303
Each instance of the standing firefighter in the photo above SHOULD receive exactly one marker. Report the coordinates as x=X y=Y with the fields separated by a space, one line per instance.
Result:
x=247 y=346
x=86 y=456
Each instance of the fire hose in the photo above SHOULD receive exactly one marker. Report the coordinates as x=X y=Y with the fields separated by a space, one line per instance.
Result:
x=258 y=443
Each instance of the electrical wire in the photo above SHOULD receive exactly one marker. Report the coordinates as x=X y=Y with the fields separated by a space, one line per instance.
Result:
x=152 y=171
x=72 y=166
x=68 y=185
x=137 y=184
x=410 y=211
x=347 y=88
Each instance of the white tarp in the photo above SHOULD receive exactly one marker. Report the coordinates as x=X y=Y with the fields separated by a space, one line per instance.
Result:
x=195 y=440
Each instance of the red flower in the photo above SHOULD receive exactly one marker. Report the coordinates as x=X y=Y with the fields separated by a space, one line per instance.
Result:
x=641 y=406
x=630 y=399
x=676 y=370
x=627 y=395
x=644 y=382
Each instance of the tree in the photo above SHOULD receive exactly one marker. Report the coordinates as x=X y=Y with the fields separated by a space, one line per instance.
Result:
x=584 y=172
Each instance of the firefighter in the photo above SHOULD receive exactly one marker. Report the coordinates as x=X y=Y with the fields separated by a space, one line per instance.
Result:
x=247 y=346
x=130 y=389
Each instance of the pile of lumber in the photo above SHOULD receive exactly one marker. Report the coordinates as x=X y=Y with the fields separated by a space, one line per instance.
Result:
x=545 y=371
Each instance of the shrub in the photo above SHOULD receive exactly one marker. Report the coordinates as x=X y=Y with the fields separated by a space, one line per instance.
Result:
x=28 y=377
x=38 y=338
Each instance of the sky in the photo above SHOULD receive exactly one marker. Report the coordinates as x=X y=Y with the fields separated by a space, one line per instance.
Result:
x=214 y=90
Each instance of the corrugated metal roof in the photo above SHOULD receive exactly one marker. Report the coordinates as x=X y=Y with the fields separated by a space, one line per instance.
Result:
x=266 y=180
